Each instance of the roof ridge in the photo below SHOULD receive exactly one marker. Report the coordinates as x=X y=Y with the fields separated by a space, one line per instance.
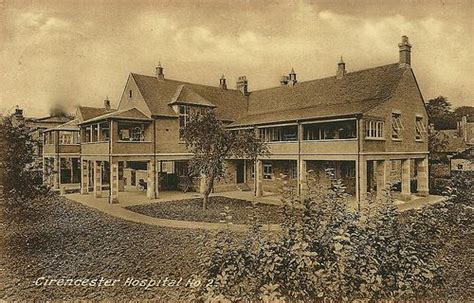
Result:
x=184 y=82
x=329 y=77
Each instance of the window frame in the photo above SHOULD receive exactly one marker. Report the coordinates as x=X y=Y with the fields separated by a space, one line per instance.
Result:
x=397 y=126
x=374 y=130
x=420 y=128
x=267 y=171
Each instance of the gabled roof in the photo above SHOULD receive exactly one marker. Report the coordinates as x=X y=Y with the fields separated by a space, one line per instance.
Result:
x=50 y=119
x=126 y=114
x=355 y=93
x=454 y=142
x=185 y=95
x=230 y=104
x=88 y=112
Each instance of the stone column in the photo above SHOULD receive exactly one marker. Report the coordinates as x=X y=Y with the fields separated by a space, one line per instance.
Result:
x=302 y=171
x=380 y=176
x=406 y=192
x=97 y=179
x=84 y=177
x=422 y=177
x=259 y=178
x=57 y=173
x=151 y=180
x=361 y=185
x=114 y=182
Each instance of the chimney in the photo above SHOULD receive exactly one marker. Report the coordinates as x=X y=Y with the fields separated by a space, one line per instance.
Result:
x=292 y=78
x=242 y=85
x=159 y=72
x=107 y=104
x=284 y=80
x=289 y=80
x=17 y=117
x=341 y=69
x=222 y=83
x=405 y=52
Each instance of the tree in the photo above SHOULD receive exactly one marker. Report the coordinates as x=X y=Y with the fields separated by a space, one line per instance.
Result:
x=440 y=113
x=464 y=111
x=21 y=180
x=211 y=143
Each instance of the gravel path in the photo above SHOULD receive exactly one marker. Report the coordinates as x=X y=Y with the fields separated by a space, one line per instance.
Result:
x=71 y=241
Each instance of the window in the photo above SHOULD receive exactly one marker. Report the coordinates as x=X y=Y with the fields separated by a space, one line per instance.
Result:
x=131 y=132
x=335 y=130
x=49 y=138
x=68 y=137
x=183 y=119
x=397 y=126
x=348 y=169
x=279 y=133
x=293 y=171
x=374 y=129
x=419 y=128
x=267 y=171
x=460 y=166
x=104 y=132
x=86 y=131
x=130 y=94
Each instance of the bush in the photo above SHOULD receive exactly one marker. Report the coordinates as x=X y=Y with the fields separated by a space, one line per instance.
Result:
x=326 y=253
x=22 y=181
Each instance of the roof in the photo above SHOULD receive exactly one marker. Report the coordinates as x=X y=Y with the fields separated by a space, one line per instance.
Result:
x=185 y=95
x=355 y=93
x=127 y=114
x=454 y=142
x=50 y=119
x=465 y=154
x=91 y=112
x=158 y=94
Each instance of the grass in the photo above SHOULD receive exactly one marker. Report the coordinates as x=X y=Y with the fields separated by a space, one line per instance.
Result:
x=191 y=210
x=58 y=238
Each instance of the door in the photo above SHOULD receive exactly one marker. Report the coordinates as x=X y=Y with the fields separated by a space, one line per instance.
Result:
x=240 y=171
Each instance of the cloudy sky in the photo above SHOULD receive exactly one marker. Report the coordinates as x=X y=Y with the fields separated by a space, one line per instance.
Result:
x=69 y=53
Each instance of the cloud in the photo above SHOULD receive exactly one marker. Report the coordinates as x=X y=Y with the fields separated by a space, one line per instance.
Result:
x=81 y=55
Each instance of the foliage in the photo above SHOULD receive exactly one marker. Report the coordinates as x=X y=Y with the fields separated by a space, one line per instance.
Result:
x=464 y=111
x=440 y=113
x=211 y=143
x=460 y=188
x=21 y=179
x=326 y=253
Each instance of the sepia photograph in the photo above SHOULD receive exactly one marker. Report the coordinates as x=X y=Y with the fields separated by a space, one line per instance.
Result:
x=236 y=151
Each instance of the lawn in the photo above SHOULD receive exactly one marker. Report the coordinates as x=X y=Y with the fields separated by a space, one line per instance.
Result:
x=191 y=210
x=63 y=239
x=68 y=240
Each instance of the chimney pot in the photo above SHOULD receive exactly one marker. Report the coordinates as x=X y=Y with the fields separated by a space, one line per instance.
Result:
x=341 y=69
x=242 y=85
x=159 y=72
x=222 y=83
x=107 y=104
x=405 y=52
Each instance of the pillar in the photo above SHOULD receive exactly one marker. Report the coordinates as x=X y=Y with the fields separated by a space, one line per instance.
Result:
x=302 y=171
x=97 y=179
x=84 y=177
x=259 y=178
x=406 y=192
x=57 y=172
x=422 y=177
x=361 y=186
x=151 y=180
x=380 y=177
x=114 y=182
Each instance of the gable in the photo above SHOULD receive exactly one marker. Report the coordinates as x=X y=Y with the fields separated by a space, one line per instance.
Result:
x=134 y=99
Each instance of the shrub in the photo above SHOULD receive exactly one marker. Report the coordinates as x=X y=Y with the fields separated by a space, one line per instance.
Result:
x=326 y=252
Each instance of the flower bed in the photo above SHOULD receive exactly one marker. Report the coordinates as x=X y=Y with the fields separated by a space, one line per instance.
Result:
x=191 y=210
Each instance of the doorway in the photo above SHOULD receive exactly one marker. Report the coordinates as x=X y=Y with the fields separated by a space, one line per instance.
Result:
x=240 y=171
